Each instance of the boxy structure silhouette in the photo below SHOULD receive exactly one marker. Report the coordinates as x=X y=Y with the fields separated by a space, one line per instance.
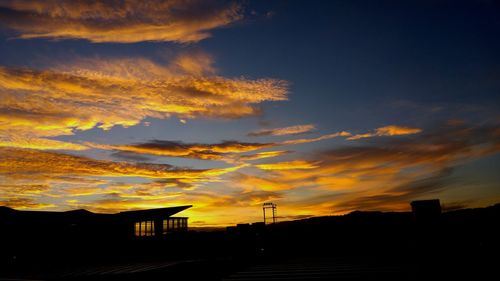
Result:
x=34 y=241
x=426 y=210
x=83 y=223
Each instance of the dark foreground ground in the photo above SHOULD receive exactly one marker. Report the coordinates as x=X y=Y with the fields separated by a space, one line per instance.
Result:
x=360 y=246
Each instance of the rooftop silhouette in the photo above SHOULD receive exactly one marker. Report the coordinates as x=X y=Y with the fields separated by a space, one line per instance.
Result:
x=81 y=245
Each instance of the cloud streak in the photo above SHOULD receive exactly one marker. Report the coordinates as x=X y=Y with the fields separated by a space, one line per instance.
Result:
x=23 y=161
x=391 y=130
x=216 y=151
x=126 y=21
x=226 y=150
x=291 y=165
x=229 y=150
x=32 y=177
x=292 y=130
x=262 y=155
x=383 y=175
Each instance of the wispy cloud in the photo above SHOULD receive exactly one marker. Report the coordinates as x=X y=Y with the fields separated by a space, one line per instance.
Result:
x=156 y=189
x=211 y=208
x=391 y=130
x=252 y=182
x=216 y=151
x=87 y=93
x=16 y=137
x=291 y=165
x=320 y=138
x=24 y=203
x=262 y=155
x=246 y=198
x=226 y=150
x=118 y=21
x=23 y=161
x=31 y=177
x=292 y=130
x=384 y=175
x=229 y=150
x=12 y=191
x=395 y=198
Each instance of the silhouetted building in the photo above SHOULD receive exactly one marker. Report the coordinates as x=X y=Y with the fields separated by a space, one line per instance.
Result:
x=426 y=210
x=85 y=224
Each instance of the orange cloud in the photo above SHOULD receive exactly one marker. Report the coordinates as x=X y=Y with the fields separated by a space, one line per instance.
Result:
x=87 y=93
x=211 y=208
x=23 y=196
x=38 y=179
x=262 y=155
x=24 y=203
x=383 y=176
x=156 y=189
x=292 y=165
x=218 y=151
x=396 y=131
x=9 y=190
x=118 y=21
x=226 y=150
x=292 y=130
x=23 y=161
x=249 y=198
x=26 y=141
x=391 y=130
x=251 y=182
x=320 y=138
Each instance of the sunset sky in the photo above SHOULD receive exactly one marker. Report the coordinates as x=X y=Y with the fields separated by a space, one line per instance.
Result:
x=323 y=107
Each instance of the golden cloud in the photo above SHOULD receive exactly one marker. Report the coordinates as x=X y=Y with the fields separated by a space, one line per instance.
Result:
x=22 y=196
x=249 y=198
x=32 y=178
x=291 y=165
x=292 y=130
x=118 y=21
x=385 y=175
x=251 y=182
x=226 y=150
x=10 y=190
x=23 y=161
x=391 y=130
x=38 y=104
x=262 y=155
x=211 y=208
x=216 y=151
x=26 y=141
x=148 y=190
x=396 y=131
x=320 y=138
x=24 y=203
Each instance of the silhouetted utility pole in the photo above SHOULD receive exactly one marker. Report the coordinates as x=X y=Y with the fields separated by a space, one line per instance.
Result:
x=272 y=206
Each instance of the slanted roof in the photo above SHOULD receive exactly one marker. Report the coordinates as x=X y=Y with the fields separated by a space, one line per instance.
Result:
x=426 y=203
x=151 y=214
x=5 y=209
